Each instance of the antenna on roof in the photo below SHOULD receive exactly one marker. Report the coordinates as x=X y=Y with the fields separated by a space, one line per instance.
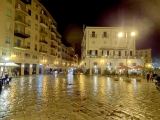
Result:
x=83 y=27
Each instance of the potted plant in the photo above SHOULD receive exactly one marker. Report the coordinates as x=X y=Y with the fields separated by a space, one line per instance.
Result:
x=116 y=79
x=138 y=79
x=127 y=79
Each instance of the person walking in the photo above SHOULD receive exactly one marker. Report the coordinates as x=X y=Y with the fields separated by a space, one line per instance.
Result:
x=148 y=76
x=151 y=77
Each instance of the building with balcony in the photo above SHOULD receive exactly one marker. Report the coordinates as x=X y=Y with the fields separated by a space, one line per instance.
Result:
x=147 y=54
x=29 y=36
x=108 y=48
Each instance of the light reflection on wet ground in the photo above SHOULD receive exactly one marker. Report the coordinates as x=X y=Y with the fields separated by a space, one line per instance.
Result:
x=78 y=97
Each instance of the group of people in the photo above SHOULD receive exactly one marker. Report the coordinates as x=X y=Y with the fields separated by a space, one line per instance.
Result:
x=150 y=76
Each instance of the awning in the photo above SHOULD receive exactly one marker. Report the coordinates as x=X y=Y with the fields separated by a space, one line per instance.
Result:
x=9 y=64
x=139 y=67
x=124 y=67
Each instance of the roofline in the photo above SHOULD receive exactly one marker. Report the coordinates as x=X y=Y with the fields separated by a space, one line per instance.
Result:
x=48 y=13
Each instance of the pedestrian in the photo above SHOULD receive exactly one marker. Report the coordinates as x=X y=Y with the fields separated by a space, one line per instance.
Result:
x=151 y=77
x=148 y=76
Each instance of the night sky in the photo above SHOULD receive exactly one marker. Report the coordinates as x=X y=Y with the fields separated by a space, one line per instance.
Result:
x=143 y=15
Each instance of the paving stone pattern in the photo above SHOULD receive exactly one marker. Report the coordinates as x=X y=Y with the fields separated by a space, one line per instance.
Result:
x=78 y=97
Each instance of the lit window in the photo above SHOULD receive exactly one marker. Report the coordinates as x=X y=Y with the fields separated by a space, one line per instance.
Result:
x=8 y=39
x=29 y=33
x=29 y=23
x=8 y=25
x=36 y=7
x=9 y=12
x=3 y=53
x=36 y=26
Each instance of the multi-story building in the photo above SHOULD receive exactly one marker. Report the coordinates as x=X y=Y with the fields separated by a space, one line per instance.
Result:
x=147 y=54
x=69 y=58
x=29 y=36
x=109 y=48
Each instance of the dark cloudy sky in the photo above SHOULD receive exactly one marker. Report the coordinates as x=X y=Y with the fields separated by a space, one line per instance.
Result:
x=144 y=15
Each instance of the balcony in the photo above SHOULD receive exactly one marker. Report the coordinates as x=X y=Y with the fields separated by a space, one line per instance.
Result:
x=43 y=51
x=53 y=39
x=19 y=47
x=52 y=25
x=43 y=23
x=21 y=34
x=26 y=1
x=22 y=22
x=53 y=32
x=53 y=54
x=22 y=10
x=43 y=42
x=43 y=32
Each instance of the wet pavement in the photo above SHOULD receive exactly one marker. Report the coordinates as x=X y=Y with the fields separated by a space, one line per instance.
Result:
x=78 y=97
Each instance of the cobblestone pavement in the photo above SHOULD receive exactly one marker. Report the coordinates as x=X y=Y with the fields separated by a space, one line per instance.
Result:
x=78 y=97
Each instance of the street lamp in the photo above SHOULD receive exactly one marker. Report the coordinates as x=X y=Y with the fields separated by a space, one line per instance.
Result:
x=126 y=37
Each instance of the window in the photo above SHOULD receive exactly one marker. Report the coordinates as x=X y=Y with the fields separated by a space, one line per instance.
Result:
x=8 y=25
x=42 y=12
x=4 y=53
x=108 y=64
x=27 y=55
x=19 y=6
x=95 y=63
x=34 y=57
x=29 y=23
x=93 y=34
x=36 y=7
x=10 y=1
x=105 y=52
x=28 y=45
x=93 y=52
x=9 y=12
x=8 y=39
x=131 y=53
x=116 y=52
x=36 y=26
x=35 y=47
x=29 y=12
x=19 y=29
x=36 y=17
x=105 y=35
x=19 y=18
x=29 y=33
x=17 y=53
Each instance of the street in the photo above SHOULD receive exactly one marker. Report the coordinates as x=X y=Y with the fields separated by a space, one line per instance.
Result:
x=78 y=97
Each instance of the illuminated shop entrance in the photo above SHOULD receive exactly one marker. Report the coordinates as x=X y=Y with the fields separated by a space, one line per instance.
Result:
x=96 y=70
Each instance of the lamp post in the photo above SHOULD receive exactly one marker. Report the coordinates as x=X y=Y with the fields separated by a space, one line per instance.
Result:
x=126 y=37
